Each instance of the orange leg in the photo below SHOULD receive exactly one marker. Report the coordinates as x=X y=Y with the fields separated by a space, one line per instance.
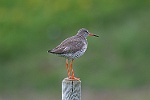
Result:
x=74 y=78
x=67 y=68
x=71 y=65
x=71 y=71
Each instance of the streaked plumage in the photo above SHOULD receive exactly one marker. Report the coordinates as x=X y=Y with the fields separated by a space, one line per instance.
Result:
x=73 y=47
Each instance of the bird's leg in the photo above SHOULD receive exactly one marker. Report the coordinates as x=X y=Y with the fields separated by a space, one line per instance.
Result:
x=68 y=72
x=74 y=78
x=71 y=71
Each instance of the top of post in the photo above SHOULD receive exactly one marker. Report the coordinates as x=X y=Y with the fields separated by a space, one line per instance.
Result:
x=70 y=80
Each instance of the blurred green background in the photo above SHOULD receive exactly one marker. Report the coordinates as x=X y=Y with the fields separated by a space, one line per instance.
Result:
x=116 y=66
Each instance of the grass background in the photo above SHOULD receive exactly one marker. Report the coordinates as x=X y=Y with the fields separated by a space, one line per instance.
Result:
x=115 y=66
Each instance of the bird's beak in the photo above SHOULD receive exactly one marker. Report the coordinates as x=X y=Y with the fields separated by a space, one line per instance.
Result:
x=90 y=34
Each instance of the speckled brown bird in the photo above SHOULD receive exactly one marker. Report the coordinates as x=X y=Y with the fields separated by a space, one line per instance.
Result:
x=72 y=48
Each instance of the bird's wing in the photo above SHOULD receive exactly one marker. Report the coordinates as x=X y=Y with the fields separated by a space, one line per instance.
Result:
x=68 y=47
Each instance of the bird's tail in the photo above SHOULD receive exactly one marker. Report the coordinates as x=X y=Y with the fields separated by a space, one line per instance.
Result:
x=49 y=51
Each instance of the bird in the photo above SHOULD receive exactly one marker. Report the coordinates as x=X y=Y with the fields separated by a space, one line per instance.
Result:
x=73 y=48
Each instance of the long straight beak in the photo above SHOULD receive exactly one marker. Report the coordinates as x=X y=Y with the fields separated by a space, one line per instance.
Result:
x=90 y=34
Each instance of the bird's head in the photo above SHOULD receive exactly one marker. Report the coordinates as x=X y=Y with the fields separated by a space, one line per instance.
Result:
x=84 y=32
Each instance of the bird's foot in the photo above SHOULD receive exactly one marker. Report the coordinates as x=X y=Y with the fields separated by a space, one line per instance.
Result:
x=73 y=78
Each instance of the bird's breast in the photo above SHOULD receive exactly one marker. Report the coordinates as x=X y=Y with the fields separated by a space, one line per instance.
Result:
x=80 y=52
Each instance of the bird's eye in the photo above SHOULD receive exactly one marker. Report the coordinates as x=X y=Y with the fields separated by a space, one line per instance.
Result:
x=86 y=31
